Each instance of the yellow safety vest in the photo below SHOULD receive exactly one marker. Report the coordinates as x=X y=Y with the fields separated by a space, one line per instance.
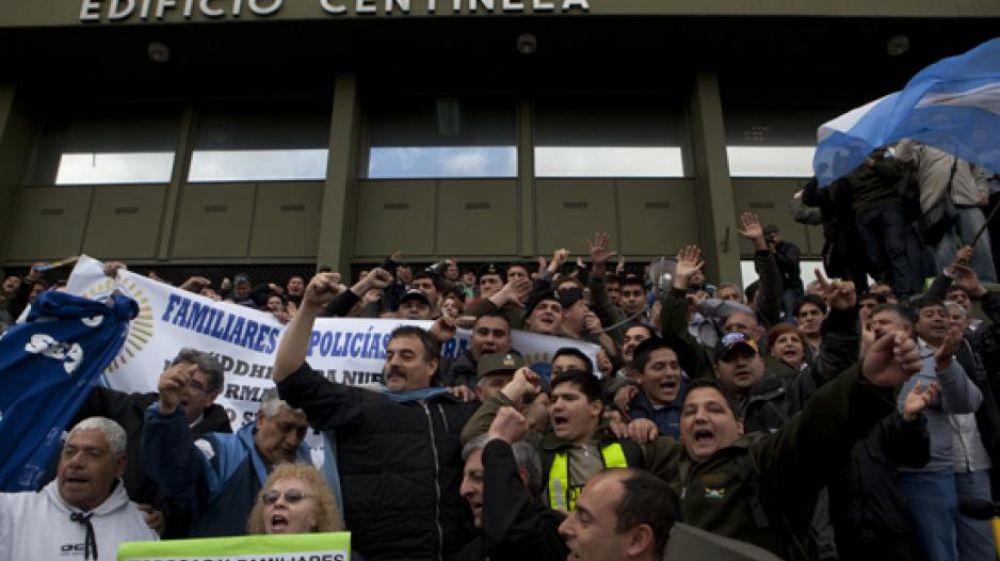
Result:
x=562 y=496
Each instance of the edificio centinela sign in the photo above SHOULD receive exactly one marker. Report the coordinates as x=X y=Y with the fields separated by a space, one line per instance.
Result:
x=157 y=10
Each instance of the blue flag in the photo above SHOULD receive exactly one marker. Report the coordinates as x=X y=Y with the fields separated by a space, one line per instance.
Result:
x=48 y=366
x=953 y=104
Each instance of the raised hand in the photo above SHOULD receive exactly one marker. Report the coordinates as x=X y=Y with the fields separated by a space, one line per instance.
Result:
x=194 y=284
x=321 y=290
x=921 y=395
x=559 y=257
x=515 y=292
x=509 y=425
x=377 y=279
x=111 y=269
x=689 y=262
x=751 y=229
x=525 y=382
x=599 y=252
x=839 y=295
x=171 y=382
x=891 y=360
x=946 y=352
x=966 y=278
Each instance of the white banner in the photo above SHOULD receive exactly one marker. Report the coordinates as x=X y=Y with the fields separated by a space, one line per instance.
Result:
x=345 y=350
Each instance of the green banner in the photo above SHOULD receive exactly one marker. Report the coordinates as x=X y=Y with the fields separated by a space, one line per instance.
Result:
x=333 y=546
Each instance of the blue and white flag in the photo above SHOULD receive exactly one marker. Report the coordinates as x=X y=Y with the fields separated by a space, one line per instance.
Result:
x=48 y=366
x=953 y=104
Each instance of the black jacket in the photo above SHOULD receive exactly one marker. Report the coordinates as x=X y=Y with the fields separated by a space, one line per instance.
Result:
x=865 y=503
x=400 y=465
x=460 y=371
x=516 y=526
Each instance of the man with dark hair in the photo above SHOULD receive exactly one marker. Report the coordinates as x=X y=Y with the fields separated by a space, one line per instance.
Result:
x=661 y=386
x=578 y=444
x=761 y=488
x=571 y=358
x=931 y=490
x=786 y=255
x=398 y=450
x=502 y=294
x=621 y=514
x=415 y=305
x=867 y=302
x=544 y=314
x=490 y=334
x=809 y=314
x=429 y=283
x=632 y=299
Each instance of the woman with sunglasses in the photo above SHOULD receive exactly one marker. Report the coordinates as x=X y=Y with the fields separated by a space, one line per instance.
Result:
x=295 y=499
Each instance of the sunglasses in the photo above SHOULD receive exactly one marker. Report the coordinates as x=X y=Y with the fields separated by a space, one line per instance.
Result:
x=292 y=496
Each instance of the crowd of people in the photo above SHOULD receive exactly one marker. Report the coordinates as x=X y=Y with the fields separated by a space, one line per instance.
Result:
x=833 y=420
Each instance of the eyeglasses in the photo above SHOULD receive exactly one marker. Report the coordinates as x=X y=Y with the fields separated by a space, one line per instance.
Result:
x=292 y=496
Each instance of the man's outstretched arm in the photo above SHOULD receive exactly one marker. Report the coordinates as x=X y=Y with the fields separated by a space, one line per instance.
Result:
x=322 y=290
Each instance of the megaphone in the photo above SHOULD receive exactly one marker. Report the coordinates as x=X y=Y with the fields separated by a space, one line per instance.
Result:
x=660 y=273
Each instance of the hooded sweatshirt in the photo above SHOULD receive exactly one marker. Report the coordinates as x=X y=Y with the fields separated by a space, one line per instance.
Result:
x=38 y=526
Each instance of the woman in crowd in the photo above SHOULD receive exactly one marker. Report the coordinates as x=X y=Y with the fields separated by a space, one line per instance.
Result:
x=294 y=500
x=787 y=351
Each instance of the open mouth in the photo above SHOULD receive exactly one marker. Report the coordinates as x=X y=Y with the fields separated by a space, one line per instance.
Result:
x=76 y=480
x=703 y=436
x=668 y=385
x=559 y=421
x=279 y=523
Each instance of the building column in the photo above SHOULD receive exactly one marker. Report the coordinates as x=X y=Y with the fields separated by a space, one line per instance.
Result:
x=527 y=242
x=340 y=191
x=17 y=130
x=713 y=190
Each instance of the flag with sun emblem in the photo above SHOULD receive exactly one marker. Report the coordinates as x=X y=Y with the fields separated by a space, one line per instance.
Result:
x=48 y=365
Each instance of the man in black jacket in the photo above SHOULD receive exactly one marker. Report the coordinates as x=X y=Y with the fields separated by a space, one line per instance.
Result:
x=502 y=478
x=398 y=450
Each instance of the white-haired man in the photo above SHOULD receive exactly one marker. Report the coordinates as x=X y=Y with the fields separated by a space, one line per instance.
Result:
x=85 y=512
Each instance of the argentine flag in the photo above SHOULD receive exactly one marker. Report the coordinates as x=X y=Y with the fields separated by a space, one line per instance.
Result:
x=953 y=104
x=48 y=366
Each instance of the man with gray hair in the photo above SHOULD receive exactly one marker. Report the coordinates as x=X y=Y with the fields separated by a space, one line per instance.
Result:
x=85 y=512
x=201 y=412
x=502 y=478
x=216 y=477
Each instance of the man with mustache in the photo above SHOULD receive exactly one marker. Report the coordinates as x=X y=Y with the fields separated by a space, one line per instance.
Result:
x=397 y=450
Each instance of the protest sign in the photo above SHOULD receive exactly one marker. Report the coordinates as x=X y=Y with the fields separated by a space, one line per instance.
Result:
x=331 y=546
